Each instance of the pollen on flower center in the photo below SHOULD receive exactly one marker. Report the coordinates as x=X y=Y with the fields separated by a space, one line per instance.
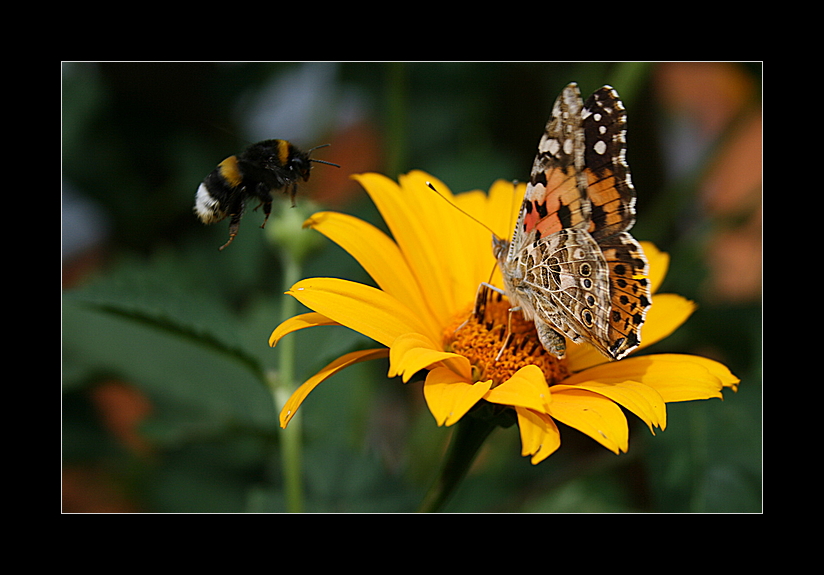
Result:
x=480 y=335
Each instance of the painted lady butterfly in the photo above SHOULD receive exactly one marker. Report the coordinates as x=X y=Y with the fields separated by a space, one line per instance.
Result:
x=572 y=266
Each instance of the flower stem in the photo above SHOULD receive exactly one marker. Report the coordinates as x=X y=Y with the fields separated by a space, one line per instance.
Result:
x=467 y=439
x=396 y=117
x=283 y=385
x=286 y=235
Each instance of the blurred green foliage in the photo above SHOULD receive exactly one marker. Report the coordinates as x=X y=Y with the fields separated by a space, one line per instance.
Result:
x=149 y=301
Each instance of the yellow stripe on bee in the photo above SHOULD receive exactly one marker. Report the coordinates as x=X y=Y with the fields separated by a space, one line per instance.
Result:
x=283 y=151
x=230 y=171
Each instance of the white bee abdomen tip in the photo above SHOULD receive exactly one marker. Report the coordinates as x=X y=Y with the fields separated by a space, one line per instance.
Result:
x=206 y=206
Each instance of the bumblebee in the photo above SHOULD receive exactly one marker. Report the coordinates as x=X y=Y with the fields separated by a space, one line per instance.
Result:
x=255 y=173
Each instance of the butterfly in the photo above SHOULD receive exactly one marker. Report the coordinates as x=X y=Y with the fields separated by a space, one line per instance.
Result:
x=572 y=265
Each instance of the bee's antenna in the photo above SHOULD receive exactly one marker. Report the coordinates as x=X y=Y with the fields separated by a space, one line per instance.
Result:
x=323 y=162
x=309 y=151
x=316 y=147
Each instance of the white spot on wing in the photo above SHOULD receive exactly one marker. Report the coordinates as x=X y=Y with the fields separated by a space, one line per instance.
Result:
x=549 y=145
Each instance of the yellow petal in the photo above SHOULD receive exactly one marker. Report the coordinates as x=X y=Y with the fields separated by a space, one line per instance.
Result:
x=526 y=388
x=293 y=403
x=473 y=203
x=462 y=234
x=592 y=414
x=299 y=322
x=379 y=256
x=412 y=232
x=640 y=399
x=681 y=377
x=453 y=235
x=500 y=214
x=449 y=396
x=677 y=377
x=668 y=312
x=583 y=356
x=462 y=241
x=658 y=264
x=413 y=352
x=365 y=309
x=475 y=265
x=539 y=434
x=504 y=206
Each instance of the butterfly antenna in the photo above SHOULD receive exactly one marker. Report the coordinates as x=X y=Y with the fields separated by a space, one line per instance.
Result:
x=484 y=287
x=464 y=212
x=471 y=217
x=515 y=204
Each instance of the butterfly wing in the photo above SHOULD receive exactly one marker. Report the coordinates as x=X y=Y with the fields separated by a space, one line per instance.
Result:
x=612 y=213
x=555 y=196
x=572 y=266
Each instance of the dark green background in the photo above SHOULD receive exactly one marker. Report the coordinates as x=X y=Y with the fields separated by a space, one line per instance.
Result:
x=151 y=304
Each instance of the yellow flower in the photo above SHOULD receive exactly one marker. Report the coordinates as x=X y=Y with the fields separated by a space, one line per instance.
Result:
x=424 y=315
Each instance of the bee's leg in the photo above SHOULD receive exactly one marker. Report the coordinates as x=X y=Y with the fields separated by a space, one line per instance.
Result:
x=264 y=195
x=292 y=193
x=234 y=225
x=267 y=209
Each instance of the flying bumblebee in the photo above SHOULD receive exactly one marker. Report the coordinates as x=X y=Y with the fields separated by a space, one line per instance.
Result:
x=255 y=173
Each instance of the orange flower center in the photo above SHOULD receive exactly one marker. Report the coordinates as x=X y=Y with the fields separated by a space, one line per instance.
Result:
x=498 y=342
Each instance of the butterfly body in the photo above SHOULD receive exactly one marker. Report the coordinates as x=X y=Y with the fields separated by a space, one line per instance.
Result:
x=572 y=265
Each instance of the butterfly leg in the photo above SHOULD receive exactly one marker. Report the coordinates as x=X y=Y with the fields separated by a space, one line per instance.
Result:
x=508 y=337
x=486 y=286
x=479 y=310
x=492 y=287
